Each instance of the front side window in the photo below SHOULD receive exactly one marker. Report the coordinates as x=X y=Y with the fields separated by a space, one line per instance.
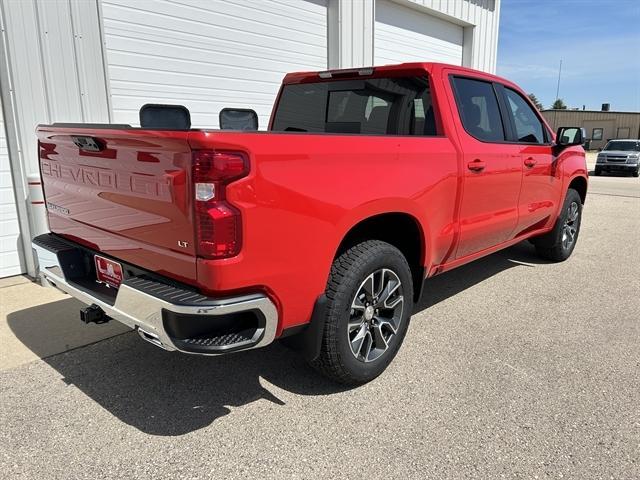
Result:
x=597 y=133
x=478 y=108
x=528 y=126
x=379 y=106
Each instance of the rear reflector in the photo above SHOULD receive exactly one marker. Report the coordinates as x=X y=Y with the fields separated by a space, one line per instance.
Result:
x=218 y=223
x=219 y=230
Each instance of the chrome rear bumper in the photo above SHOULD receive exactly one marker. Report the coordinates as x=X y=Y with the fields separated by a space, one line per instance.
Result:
x=144 y=305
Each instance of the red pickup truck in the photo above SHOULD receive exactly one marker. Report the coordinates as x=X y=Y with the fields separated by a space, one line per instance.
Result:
x=322 y=228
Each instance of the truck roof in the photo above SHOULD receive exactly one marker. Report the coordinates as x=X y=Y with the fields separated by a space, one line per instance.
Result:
x=384 y=70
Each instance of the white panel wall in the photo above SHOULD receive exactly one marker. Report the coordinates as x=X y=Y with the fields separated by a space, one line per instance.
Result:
x=10 y=245
x=29 y=89
x=403 y=34
x=52 y=70
x=352 y=29
x=72 y=60
x=209 y=55
x=351 y=33
x=63 y=79
x=481 y=19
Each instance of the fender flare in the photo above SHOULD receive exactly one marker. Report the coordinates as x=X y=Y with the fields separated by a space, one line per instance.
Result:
x=384 y=206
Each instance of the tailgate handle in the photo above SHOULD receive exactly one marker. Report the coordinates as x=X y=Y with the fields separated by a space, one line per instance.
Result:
x=89 y=144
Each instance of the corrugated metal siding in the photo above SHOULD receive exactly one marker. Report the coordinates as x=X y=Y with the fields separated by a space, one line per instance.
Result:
x=351 y=25
x=482 y=18
x=609 y=121
x=53 y=71
x=404 y=35
x=209 y=55
x=56 y=36
x=30 y=93
x=565 y=117
x=10 y=247
x=352 y=31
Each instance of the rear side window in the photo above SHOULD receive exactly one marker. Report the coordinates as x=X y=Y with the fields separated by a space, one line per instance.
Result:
x=379 y=106
x=478 y=108
x=527 y=124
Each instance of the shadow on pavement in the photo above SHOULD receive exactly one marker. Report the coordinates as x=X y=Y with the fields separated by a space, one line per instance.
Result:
x=449 y=284
x=164 y=393
x=168 y=393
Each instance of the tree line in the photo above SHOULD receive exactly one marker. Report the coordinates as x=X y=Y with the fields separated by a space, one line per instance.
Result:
x=557 y=105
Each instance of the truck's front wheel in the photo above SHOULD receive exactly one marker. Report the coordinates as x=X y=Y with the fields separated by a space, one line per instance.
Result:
x=558 y=244
x=370 y=299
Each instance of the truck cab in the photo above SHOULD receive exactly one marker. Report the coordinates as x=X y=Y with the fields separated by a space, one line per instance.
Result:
x=321 y=229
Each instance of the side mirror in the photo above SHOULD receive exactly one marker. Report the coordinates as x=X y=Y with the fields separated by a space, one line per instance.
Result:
x=238 y=119
x=568 y=136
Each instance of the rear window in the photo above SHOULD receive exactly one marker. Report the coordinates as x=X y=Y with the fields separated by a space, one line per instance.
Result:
x=381 y=106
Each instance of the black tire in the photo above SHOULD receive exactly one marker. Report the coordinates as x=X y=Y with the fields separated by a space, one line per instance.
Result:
x=349 y=273
x=554 y=245
x=636 y=172
x=597 y=172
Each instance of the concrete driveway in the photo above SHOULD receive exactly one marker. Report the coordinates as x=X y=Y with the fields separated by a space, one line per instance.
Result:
x=513 y=368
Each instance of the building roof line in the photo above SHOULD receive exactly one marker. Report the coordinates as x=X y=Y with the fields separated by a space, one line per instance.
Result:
x=587 y=111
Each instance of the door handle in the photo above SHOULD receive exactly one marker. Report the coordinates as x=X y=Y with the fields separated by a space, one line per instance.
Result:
x=476 y=166
x=530 y=162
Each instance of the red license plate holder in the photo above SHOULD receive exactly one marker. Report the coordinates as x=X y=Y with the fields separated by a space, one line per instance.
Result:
x=108 y=271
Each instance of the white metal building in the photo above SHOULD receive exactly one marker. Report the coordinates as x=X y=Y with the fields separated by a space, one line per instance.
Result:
x=98 y=61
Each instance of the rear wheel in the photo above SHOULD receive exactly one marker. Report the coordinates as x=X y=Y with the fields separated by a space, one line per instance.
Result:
x=558 y=244
x=370 y=298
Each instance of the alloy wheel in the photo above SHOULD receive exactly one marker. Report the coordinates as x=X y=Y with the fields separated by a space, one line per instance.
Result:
x=376 y=313
x=570 y=227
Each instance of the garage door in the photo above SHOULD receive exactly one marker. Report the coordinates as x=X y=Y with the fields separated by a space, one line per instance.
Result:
x=9 y=227
x=403 y=34
x=208 y=55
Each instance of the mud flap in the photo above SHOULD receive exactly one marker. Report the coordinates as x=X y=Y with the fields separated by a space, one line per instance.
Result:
x=308 y=341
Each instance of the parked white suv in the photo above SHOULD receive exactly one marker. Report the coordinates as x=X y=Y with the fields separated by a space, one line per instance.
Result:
x=621 y=156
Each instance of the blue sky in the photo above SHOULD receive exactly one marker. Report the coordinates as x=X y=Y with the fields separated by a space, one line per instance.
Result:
x=597 y=40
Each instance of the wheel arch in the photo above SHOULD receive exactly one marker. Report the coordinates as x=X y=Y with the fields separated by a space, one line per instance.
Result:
x=579 y=184
x=390 y=226
x=401 y=229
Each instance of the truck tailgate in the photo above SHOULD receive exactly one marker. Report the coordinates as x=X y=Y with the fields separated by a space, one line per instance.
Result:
x=123 y=191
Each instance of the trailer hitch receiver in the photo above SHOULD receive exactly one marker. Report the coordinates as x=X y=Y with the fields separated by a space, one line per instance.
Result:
x=93 y=314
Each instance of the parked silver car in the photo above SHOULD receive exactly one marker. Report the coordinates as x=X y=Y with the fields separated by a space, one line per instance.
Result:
x=621 y=156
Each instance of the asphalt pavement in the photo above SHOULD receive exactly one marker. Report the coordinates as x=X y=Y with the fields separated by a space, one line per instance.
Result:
x=513 y=368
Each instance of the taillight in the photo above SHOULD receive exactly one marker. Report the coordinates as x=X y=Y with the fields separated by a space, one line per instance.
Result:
x=218 y=223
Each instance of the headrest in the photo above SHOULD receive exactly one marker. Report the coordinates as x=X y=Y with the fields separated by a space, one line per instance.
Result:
x=378 y=118
x=472 y=113
x=171 y=117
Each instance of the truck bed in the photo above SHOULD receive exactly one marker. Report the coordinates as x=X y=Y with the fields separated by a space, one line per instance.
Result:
x=133 y=200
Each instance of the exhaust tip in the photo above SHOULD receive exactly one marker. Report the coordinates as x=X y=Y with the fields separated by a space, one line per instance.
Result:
x=151 y=338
